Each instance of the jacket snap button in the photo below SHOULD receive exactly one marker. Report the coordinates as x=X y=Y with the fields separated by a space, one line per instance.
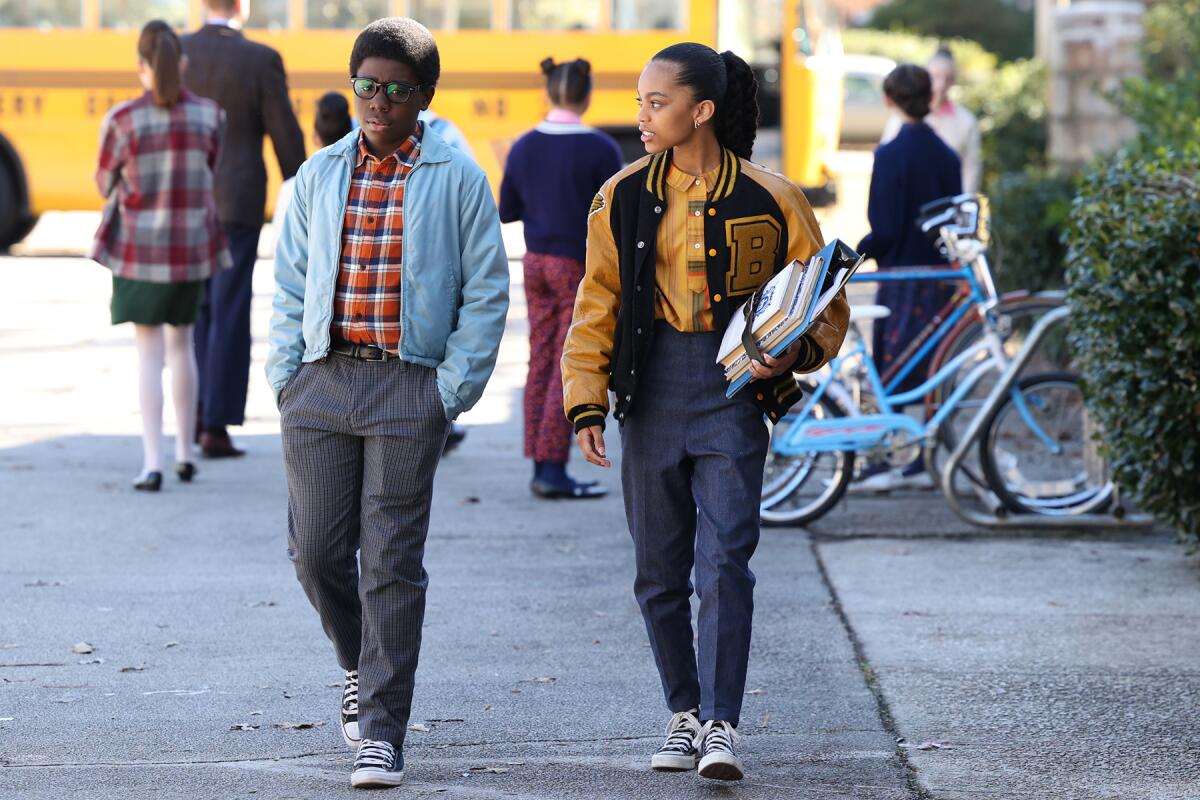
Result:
x=712 y=212
x=639 y=288
x=712 y=252
x=639 y=330
x=641 y=245
x=658 y=209
x=717 y=297
x=628 y=398
x=758 y=396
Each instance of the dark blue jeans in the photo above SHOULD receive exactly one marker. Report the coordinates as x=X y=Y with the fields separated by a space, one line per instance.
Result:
x=223 y=333
x=692 y=470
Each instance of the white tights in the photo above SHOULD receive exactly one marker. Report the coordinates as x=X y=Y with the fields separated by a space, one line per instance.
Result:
x=170 y=345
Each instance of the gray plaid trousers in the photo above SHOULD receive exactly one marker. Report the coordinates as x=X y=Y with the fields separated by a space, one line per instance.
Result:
x=361 y=442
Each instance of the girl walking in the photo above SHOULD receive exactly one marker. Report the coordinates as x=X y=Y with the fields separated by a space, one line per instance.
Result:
x=553 y=172
x=160 y=235
x=676 y=242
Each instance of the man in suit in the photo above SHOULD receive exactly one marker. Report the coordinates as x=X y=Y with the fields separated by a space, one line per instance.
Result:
x=248 y=81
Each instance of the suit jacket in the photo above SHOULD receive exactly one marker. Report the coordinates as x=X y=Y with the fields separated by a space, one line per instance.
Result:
x=247 y=80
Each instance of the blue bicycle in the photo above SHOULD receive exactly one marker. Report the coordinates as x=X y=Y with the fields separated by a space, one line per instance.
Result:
x=1033 y=455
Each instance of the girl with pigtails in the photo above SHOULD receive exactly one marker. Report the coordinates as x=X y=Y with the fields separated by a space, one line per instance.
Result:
x=677 y=242
x=552 y=174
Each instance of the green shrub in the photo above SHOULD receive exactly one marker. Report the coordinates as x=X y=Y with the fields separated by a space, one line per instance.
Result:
x=1011 y=107
x=1134 y=276
x=1027 y=213
x=1001 y=26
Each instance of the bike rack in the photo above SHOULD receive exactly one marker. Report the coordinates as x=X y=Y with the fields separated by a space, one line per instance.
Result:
x=975 y=429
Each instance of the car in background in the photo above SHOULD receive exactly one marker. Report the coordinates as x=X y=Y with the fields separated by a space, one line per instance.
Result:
x=864 y=111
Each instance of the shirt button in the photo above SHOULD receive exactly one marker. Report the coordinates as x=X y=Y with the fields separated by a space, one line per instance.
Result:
x=697 y=213
x=712 y=252
x=639 y=288
x=639 y=330
x=758 y=396
x=358 y=317
x=641 y=245
x=697 y=245
x=371 y=220
x=697 y=183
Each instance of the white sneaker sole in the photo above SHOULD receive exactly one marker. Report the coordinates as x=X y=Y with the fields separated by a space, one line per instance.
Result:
x=350 y=734
x=375 y=778
x=670 y=762
x=721 y=767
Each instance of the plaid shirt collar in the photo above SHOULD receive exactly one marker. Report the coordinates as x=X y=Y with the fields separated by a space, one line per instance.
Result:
x=405 y=155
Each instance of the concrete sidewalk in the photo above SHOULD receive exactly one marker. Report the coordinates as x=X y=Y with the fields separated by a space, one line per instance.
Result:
x=1032 y=667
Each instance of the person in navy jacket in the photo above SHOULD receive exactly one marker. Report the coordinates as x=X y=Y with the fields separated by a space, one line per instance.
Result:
x=910 y=170
x=553 y=172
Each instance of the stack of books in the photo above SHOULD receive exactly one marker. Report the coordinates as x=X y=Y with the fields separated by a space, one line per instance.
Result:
x=783 y=309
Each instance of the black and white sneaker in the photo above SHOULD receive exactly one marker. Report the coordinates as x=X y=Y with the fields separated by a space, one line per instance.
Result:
x=679 y=750
x=350 y=710
x=718 y=759
x=377 y=766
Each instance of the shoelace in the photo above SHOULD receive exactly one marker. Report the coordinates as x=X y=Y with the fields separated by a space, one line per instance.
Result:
x=375 y=754
x=717 y=735
x=681 y=733
x=350 y=693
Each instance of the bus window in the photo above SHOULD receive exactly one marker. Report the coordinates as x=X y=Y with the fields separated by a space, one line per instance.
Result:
x=442 y=16
x=41 y=13
x=349 y=14
x=270 y=15
x=126 y=14
x=554 y=15
x=645 y=15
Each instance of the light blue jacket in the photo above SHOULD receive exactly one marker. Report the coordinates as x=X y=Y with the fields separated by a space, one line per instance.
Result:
x=454 y=284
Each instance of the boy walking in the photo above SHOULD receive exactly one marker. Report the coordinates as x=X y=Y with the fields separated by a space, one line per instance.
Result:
x=392 y=289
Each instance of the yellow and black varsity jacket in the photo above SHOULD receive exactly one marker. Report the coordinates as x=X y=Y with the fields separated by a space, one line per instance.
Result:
x=756 y=222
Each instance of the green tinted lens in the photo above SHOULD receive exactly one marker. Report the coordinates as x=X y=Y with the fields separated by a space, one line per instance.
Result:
x=364 y=87
x=398 y=92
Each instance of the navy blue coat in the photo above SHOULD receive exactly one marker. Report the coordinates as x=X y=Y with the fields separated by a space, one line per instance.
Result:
x=910 y=171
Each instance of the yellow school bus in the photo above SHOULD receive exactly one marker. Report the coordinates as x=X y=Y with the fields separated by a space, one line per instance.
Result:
x=64 y=63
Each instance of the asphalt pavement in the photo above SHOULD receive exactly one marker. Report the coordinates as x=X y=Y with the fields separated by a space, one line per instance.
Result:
x=898 y=653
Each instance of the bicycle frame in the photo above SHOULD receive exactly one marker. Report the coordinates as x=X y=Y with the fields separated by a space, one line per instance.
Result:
x=864 y=431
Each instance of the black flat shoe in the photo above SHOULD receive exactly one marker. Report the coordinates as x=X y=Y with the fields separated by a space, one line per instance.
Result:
x=150 y=482
x=185 y=471
x=572 y=491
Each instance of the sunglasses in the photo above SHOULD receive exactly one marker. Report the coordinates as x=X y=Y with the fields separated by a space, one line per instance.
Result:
x=396 y=92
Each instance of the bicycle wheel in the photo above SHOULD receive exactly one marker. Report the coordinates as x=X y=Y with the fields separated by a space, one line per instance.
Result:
x=800 y=489
x=1020 y=466
x=1020 y=313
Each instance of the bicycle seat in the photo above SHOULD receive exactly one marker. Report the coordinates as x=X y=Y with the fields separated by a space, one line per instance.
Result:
x=869 y=312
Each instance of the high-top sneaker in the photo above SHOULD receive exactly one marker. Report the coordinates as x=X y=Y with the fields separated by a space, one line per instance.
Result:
x=377 y=766
x=350 y=710
x=718 y=759
x=678 y=752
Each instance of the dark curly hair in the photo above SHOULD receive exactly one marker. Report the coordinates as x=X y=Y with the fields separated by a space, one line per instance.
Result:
x=568 y=83
x=399 y=39
x=725 y=79
x=909 y=87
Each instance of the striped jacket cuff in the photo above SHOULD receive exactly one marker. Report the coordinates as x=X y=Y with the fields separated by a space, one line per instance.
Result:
x=586 y=415
x=809 y=357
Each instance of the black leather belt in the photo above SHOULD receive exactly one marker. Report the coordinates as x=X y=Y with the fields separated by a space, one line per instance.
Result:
x=365 y=352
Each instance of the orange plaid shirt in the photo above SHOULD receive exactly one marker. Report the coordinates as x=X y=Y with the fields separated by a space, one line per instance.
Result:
x=366 y=303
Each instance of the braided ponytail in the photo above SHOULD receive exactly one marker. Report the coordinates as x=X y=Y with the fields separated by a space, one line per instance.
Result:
x=159 y=47
x=728 y=82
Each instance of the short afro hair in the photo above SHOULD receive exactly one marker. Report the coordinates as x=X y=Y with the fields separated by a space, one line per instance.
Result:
x=399 y=39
